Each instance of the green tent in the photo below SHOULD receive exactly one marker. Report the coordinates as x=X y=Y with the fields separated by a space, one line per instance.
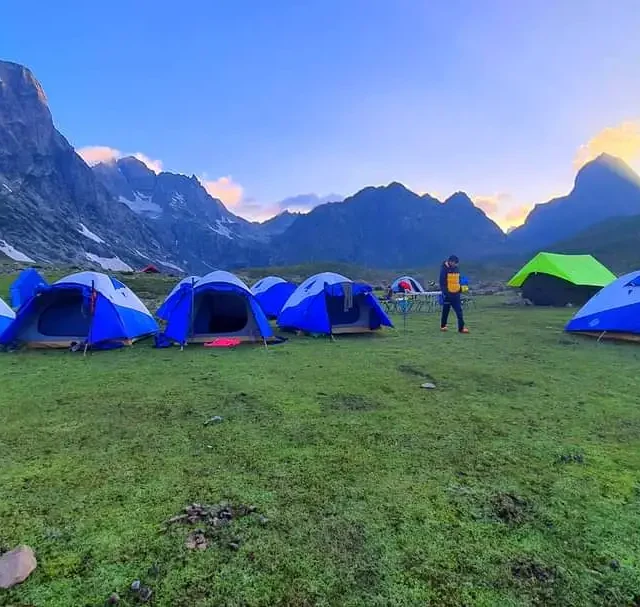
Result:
x=556 y=280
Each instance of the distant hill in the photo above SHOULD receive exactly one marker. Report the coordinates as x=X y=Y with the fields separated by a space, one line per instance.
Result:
x=615 y=242
x=389 y=227
x=604 y=188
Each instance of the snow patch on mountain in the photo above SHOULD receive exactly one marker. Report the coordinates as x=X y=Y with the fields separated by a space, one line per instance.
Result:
x=221 y=229
x=109 y=263
x=13 y=253
x=177 y=200
x=90 y=235
x=172 y=266
x=141 y=204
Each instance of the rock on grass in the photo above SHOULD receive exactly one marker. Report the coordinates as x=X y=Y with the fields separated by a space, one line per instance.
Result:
x=16 y=566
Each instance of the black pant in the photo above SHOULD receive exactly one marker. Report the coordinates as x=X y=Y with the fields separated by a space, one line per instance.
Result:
x=452 y=301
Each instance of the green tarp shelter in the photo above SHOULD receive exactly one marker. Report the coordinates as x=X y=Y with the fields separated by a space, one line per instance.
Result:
x=552 y=279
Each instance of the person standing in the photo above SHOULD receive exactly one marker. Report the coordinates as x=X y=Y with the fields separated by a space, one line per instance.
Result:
x=450 y=287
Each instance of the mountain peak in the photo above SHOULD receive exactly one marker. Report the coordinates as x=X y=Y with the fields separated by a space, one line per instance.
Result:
x=19 y=76
x=459 y=199
x=396 y=186
x=604 y=169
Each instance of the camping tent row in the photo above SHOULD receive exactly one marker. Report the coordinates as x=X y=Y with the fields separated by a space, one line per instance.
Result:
x=93 y=309
x=551 y=279
x=219 y=304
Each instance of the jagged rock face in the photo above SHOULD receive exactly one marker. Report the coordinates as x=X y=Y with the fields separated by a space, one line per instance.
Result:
x=192 y=226
x=49 y=198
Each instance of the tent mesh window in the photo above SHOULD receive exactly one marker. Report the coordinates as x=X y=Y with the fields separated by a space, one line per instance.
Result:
x=64 y=313
x=220 y=312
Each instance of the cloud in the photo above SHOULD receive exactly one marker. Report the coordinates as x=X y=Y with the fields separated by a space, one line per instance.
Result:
x=232 y=194
x=515 y=216
x=622 y=141
x=154 y=165
x=94 y=154
x=501 y=208
x=224 y=189
x=493 y=204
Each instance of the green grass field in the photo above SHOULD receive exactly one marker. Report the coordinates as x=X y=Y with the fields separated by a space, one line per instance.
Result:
x=515 y=482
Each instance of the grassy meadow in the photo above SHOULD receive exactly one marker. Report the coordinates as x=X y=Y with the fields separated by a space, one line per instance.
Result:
x=515 y=482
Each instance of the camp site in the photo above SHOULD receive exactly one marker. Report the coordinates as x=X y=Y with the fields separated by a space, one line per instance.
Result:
x=330 y=303
x=510 y=480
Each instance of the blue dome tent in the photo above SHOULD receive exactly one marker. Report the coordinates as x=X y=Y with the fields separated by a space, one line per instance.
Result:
x=272 y=293
x=332 y=304
x=217 y=305
x=415 y=285
x=614 y=311
x=6 y=316
x=24 y=286
x=87 y=307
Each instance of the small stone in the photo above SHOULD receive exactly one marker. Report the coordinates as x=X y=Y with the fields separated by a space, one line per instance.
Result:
x=16 y=566
x=428 y=386
x=216 y=419
x=114 y=599
x=135 y=586
x=234 y=546
x=614 y=564
x=263 y=520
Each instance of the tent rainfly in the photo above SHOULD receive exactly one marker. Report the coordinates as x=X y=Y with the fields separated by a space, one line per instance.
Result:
x=272 y=293
x=6 y=316
x=613 y=312
x=331 y=304
x=217 y=305
x=552 y=279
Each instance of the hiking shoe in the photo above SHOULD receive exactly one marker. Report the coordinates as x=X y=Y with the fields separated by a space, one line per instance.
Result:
x=445 y=328
x=465 y=330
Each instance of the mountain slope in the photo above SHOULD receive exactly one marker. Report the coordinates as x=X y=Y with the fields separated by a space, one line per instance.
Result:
x=604 y=188
x=51 y=206
x=192 y=226
x=615 y=242
x=389 y=226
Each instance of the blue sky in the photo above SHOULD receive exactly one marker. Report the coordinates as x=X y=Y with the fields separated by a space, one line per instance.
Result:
x=267 y=100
